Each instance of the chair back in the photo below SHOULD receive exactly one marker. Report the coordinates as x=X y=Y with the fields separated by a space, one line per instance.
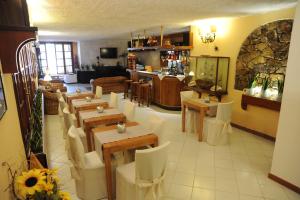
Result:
x=76 y=148
x=151 y=164
x=113 y=102
x=58 y=94
x=184 y=95
x=62 y=103
x=224 y=111
x=66 y=116
x=129 y=110
x=98 y=92
x=156 y=124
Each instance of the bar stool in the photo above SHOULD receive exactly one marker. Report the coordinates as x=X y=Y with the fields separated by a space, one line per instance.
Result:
x=134 y=87
x=127 y=84
x=144 y=93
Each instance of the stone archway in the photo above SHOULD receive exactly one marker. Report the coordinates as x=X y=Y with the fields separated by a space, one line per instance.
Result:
x=265 y=50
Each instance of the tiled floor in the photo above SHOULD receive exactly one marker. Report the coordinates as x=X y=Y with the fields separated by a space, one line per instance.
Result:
x=195 y=169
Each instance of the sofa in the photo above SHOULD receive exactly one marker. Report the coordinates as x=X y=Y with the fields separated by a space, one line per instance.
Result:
x=110 y=84
x=100 y=72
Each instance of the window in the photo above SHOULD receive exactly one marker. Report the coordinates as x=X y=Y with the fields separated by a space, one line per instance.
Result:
x=57 y=57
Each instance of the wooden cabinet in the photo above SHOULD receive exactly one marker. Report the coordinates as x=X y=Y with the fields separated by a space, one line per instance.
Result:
x=14 y=13
x=170 y=92
x=165 y=92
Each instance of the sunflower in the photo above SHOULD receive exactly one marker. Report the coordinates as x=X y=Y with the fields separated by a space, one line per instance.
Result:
x=51 y=175
x=64 y=195
x=30 y=182
x=48 y=187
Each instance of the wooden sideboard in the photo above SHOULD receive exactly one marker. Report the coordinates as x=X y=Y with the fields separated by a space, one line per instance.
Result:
x=261 y=102
x=165 y=92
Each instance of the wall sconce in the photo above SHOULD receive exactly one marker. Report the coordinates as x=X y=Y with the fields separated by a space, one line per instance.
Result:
x=208 y=36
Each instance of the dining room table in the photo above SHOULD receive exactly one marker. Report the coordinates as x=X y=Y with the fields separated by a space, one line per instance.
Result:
x=89 y=119
x=109 y=141
x=77 y=95
x=204 y=107
x=83 y=104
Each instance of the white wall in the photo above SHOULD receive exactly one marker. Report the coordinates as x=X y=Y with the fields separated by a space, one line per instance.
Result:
x=286 y=158
x=89 y=50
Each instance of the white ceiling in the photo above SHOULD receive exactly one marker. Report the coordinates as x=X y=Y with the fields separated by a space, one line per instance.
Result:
x=101 y=19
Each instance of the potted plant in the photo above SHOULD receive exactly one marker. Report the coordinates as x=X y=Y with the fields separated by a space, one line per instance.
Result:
x=280 y=86
x=38 y=184
x=36 y=127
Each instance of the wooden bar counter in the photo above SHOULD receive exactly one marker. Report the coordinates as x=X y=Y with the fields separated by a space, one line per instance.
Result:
x=165 y=91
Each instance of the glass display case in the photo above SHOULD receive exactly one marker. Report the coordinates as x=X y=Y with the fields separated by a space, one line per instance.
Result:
x=210 y=73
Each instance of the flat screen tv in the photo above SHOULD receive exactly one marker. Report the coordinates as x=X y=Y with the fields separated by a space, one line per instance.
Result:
x=109 y=52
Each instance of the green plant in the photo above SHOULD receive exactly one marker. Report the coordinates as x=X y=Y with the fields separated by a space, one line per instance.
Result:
x=265 y=83
x=36 y=124
x=94 y=66
x=280 y=85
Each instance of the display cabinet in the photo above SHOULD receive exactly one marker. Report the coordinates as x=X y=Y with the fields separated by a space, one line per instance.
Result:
x=210 y=73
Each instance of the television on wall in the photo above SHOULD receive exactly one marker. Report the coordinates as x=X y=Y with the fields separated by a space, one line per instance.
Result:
x=110 y=52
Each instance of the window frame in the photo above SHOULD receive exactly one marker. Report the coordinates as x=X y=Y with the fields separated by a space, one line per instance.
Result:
x=63 y=52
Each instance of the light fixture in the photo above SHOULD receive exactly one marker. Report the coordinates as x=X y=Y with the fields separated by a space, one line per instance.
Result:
x=208 y=36
x=192 y=73
x=47 y=76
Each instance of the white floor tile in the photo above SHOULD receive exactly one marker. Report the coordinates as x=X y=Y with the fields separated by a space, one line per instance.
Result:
x=226 y=185
x=220 y=195
x=204 y=182
x=180 y=192
x=203 y=194
x=183 y=179
x=273 y=192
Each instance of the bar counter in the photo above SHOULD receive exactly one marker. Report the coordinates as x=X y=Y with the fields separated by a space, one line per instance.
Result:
x=165 y=90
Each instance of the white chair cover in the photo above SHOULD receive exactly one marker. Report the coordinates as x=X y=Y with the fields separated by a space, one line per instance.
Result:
x=61 y=105
x=191 y=115
x=114 y=100
x=129 y=110
x=69 y=120
x=143 y=178
x=59 y=95
x=157 y=125
x=98 y=92
x=215 y=130
x=88 y=170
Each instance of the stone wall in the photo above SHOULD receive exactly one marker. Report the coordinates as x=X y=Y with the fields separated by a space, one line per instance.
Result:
x=264 y=51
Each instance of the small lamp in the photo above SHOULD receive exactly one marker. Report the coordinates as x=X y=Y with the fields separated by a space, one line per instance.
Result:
x=47 y=76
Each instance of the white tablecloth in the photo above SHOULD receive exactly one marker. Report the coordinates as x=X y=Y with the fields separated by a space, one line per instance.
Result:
x=104 y=137
x=212 y=106
x=77 y=94
x=180 y=77
x=85 y=114
x=81 y=102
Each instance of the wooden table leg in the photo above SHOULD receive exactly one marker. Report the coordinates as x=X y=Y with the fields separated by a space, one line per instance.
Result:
x=183 y=112
x=107 y=162
x=201 y=118
x=88 y=138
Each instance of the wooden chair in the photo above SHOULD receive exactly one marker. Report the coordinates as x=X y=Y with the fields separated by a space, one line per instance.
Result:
x=144 y=93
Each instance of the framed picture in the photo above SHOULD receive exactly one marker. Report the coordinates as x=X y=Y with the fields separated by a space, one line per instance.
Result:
x=3 y=106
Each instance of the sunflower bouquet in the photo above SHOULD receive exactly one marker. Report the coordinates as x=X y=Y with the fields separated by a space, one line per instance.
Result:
x=39 y=184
